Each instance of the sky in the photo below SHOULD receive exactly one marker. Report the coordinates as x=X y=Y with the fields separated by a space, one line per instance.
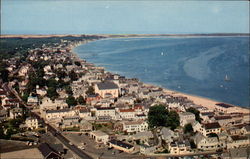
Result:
x=123 y=17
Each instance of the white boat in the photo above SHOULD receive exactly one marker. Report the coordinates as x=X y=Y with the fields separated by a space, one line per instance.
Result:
x=162 y=54
x=227 y=78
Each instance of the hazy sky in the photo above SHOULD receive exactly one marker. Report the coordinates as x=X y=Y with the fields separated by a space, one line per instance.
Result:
x=76 y=16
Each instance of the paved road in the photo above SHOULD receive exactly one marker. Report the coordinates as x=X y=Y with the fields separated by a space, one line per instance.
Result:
x=65 y=141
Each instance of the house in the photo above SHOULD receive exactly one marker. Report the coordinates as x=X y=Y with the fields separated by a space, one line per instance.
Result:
x=225 y=108
x=70 y=121
x=127 y=113
x=32 y=100
x=10 y=102
x=58 y=114
x=167 y=135
x=107 y=89
x=186 y=118
x=23 y=71
x=207 y=128
x=126 y=100
x=237 y=141
x=234 y=131
x=208 y=143
x=206 y=116
x=180 y=147
x=48 y=104
x=135 y=126
x=32 y=123
x=143 y=137
x=224 y=121
x=3 y=115
x=16 y=112
x=85 y=126
x=41 y=91
x=93 y=97
x=48 y=152
x=84 y=113
x=122 y=146
x=105 y=112
x=245 y=130
x=99 y=136
x=146 y=149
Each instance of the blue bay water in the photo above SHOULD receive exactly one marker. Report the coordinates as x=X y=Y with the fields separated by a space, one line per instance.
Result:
x=195 y=66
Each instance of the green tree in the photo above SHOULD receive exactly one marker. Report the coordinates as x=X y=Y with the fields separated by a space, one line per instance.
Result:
x=52 y=83
x=157 y=116
x=188 y=128
x=52 y=93
x=4 y=74
x=81 y=100
x=196 y=113
x=72 y=75
x=68 y=90
x=25 y=96
x=90 y=91
x=173 y=120
x=71 y=101
x=77 y=63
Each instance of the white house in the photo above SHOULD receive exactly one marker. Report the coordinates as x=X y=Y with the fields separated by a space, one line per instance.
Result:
x=101 y=112
x=135 y=126
x=59 y=114
x=99 y=136
x=32 y=123
x=207 y=128
x=186 y=118
x=180 y=147
x=208 y=142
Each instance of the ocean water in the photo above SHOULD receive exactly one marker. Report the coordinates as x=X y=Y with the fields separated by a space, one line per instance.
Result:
x=193 y=65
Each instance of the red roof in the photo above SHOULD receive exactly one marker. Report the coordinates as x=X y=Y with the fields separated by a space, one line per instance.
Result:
x=127 y=110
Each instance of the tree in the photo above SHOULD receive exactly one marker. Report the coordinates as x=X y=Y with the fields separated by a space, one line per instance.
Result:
x=173 y=120
x=52 y=83
x=25 y=96
x=77 y=63
x=188 y=128
x=72 y=75
x=157 y=116
x=52 y=93
x=68 y=90
x=90 y=91
x=4 y=74
x=71 y=101
x=81 y=100
x=196 y=113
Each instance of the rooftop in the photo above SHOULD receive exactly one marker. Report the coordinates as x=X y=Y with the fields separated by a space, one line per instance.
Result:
x=99 y=133
x=58 y=111
x=214 y=125
x=224 y=105
x=121 y=144
x=107 y=85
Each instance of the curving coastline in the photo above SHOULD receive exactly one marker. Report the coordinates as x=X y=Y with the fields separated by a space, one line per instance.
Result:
x=199 y=100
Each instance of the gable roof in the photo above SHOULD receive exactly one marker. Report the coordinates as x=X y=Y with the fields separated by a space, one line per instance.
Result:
x=46 y=150
x=214 y=125
x=107 y=85
x=121 y=144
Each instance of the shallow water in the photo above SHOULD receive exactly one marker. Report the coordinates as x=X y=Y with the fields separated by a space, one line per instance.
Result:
x=196 y=66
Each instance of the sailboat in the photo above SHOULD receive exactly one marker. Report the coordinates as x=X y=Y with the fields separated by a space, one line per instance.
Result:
x=227 y=78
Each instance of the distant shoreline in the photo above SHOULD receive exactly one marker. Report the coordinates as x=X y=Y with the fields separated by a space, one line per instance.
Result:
x=199 y=100
x=122 y=35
